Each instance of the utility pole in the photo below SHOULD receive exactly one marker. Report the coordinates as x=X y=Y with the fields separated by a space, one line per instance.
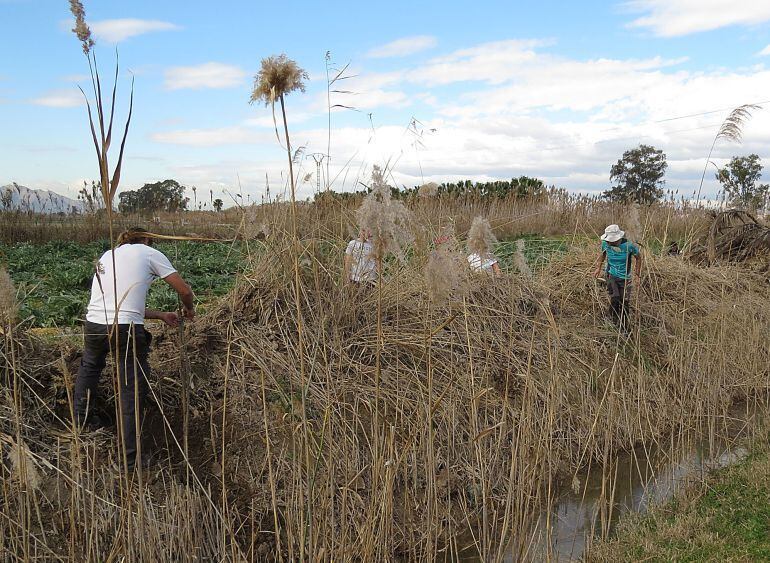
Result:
x=318 y=157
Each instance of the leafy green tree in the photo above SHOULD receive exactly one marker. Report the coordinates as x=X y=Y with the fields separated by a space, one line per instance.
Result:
x=638 y=176
x=167 y=195
x=128 y=202
x=525 y=186
x=218 y=203
x=740 y=179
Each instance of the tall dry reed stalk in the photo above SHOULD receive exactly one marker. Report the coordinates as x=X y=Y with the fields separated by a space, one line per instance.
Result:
x=730 y=130
x=9 y=306
x=278 y=77
x=101 y=134
x=387 y=220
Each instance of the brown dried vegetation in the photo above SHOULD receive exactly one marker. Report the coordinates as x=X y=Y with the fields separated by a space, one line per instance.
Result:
x=483 y=403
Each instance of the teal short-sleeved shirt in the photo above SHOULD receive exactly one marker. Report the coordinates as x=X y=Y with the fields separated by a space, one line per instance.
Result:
x=619 y=258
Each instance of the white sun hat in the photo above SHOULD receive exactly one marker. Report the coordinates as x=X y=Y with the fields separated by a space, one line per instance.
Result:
x=612 y=234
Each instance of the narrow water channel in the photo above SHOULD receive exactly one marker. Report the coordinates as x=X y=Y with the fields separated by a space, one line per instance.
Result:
x=591 y=506
x=636 y=480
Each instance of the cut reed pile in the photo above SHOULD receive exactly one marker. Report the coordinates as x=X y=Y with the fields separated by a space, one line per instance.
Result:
x=734 y=236
x=480 y=405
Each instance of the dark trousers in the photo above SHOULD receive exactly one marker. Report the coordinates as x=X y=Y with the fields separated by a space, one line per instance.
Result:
x=132 y=344
x=620 y=300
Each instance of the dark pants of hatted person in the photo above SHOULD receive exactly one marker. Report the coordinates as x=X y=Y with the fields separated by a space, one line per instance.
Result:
x=133 y=345
x=620 y=300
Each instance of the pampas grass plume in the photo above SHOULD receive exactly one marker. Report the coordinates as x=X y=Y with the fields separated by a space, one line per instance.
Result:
x=278 y=76
x=634 y=227
x=444 y=272
x=81 y=28
x=520 y=260
x=386 y=219
x=428 y=190
x=481 y=239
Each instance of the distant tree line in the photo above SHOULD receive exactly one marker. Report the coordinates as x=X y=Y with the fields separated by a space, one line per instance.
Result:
x=638 y=177
x=523 y=186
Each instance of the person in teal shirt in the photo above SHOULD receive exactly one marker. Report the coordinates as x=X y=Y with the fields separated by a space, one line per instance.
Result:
x=619 y=253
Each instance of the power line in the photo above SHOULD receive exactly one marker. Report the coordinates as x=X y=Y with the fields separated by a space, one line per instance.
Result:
x=668 y=119
x=709 y=112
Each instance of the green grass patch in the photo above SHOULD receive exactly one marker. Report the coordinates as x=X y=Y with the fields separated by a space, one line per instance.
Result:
x=725 y=519
x=538 y=251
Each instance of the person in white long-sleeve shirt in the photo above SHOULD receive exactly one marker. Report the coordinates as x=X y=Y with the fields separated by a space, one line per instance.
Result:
x=130 y=271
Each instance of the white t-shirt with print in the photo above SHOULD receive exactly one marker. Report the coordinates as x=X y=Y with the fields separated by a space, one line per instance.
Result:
x=363 y=266
x=479 y=264
x=137 y=266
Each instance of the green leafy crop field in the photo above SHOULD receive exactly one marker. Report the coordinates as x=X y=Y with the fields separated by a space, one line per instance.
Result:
x=53 y=280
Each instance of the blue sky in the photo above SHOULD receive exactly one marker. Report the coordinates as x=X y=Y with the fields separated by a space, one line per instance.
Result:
x=556 y=90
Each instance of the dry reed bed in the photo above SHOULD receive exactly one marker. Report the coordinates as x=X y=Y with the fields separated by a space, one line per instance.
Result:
x=455 y=417
x=556 y=214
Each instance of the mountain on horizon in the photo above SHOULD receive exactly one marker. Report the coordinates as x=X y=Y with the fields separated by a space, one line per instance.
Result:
x=15 y=197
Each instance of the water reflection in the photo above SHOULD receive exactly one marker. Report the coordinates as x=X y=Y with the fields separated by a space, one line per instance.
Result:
x=633 y=482
x=592 y=504
x=632 y=485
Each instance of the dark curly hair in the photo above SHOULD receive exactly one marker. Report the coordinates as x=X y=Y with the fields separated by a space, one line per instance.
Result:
x=134 y=235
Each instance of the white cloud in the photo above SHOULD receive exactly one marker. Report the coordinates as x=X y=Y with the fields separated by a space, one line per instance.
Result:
x=115 y=31
x=403 y=47
x=500 y=110
x=493 y=62
x=234 y=135
x=369 y=99
x=526 y=78
x=267 y=120
x=764 y=52
x=207 y=75
x=527 y=112
x=671 y=18
x=60 y=99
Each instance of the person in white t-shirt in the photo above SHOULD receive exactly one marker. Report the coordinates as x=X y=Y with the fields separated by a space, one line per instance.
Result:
x=360 y=266
x=130 y=271
x=484 y=264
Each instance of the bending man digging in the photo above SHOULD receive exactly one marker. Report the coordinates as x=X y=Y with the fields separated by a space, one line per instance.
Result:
x=619 y=253
x=137 y=265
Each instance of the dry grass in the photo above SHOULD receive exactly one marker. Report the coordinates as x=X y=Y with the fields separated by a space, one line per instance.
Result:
x=555 y=214
x=389 y=439
x=9 y=307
